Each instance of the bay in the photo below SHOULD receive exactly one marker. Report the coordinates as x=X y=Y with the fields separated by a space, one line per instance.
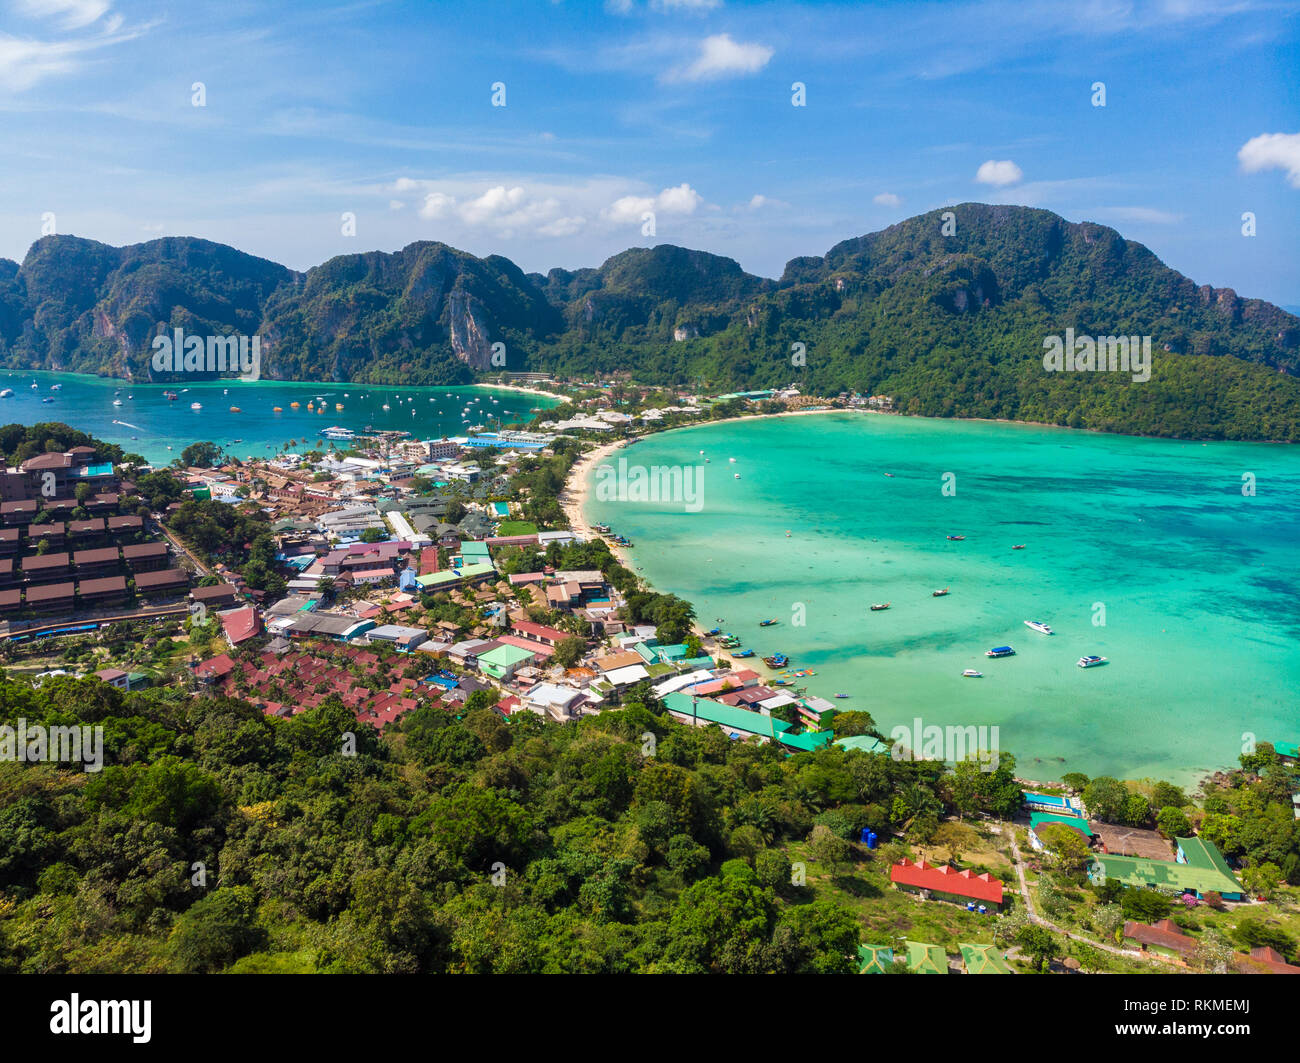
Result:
x=1145 y=551
x=149 y=424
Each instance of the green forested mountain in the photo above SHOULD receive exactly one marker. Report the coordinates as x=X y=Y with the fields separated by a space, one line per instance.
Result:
x=950 y=325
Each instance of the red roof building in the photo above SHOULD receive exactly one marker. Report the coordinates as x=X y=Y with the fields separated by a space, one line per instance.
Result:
x=240 y=625
x=215 y=668
x=947 y=880
x=540 y=632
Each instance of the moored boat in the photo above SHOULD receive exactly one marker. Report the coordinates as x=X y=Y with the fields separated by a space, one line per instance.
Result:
x=841 y=695
x=1018 y=546
x=1091 y=661
x=970 y=673
x=1038 y=625
x=939 y=594
x=776 y=660
x=743 y=653
x=767 y=623
x=956 y=538
x=1000 y=651
x=879 y=606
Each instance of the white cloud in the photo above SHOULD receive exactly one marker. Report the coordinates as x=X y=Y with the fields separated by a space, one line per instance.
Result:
x=1272 y=151
x=73 y=14
x=680 y=200
x=720 y=57
x=435 y=205
x=998 y=173
x=627 y=209
x=562 y=227
x=396 y=204
x=618 y=7
x=887 y=199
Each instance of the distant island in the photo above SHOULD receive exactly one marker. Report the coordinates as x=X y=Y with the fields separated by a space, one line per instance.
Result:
x=947 y=313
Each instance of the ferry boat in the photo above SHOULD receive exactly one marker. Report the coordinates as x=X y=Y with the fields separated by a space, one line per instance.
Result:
x=881 y=606
x=743 y=653
x=1000 y=651
x=777 y=660
x=1038 y=625
x=939 y=594
x=956 y=538
x=1091 y=661
x=767 y=623
x=970 y=673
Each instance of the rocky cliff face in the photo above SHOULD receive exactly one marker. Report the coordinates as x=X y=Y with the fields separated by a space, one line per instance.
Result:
x=431 y=314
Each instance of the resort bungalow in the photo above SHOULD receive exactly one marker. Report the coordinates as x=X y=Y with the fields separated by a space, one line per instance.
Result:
x=51 y=597
x=1198 y=870
x=1164 y=938
x=875 y=959
x=108 y=590
x=947 y=883
x=218 y=596
x=165 y=581
x=983 y=959
x=924 y=958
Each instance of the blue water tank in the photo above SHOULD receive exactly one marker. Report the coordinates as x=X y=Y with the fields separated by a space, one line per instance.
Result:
x=869 y=838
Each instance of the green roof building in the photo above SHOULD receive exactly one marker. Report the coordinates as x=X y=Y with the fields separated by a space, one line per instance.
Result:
x=875 y=959
x=983 y=959
x=501 y=662
x=926 y=959
x=1198 y=870
x=865 y=743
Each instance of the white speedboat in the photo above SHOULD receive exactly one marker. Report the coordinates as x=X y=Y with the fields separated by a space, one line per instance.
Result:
x=1091 y=661
x=196 y=406
x=6 y=393
x=117 y=402
x=1038 y=625
x=970 y=673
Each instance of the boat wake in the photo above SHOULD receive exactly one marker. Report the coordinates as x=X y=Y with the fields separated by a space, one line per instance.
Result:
x=125 y=424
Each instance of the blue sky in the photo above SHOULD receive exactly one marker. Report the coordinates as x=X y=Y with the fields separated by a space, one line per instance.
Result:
x=679 y=107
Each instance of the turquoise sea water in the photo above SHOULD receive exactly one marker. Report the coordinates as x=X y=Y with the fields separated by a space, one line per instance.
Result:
x=151 y=423
x=1197 y=581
